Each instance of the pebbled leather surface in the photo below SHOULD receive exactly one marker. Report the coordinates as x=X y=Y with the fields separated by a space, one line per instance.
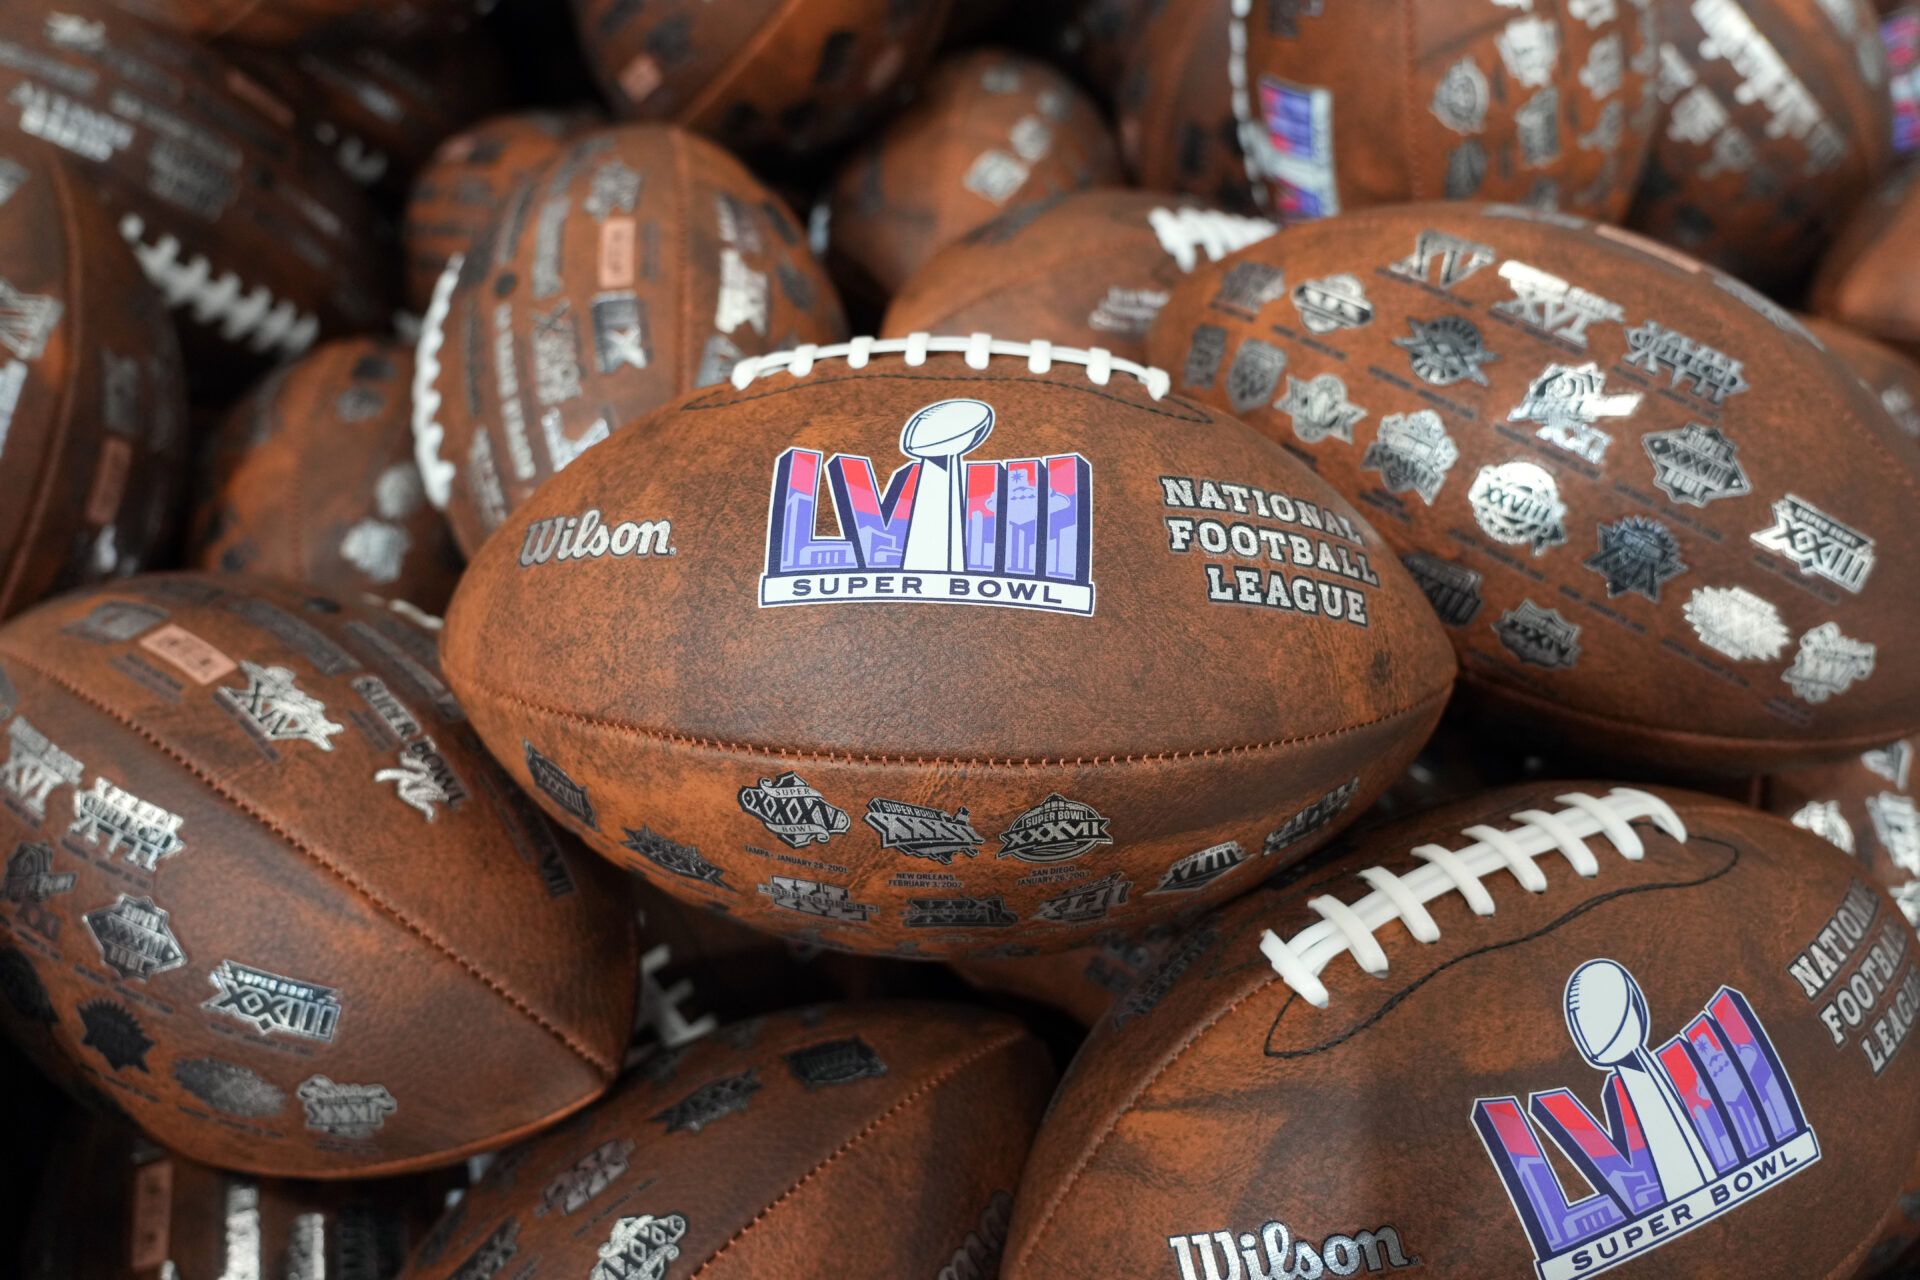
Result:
x=312 y=478
x=639 y=263
x=652 y=690
x=887 y=1137
x=468 y=179
x=1091 y=269
x=787 y=78
x=1232 y=1103
x=1870 y=275
x=988 y=133
x=1464 y=326
x=1776 y=124
x=93 y=432
x=475 y=980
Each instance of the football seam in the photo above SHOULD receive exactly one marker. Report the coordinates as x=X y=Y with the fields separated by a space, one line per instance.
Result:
x=721 y=399
x=1006 y=1041
x=481 y=687
x=605 y=1067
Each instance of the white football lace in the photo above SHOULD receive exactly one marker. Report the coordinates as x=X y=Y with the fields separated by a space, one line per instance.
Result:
x=978 y=348
x=1342 y=928
x=436 y=473
x=254 y=317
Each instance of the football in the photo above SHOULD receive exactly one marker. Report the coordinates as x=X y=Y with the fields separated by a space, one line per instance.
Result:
x=93 y=409
x=380 y=111
x=1340 y=106
x=639 y=263
x=960 y=712
x=309 y=22
x=458 y=192
x=265 y=892
x=1864 y=806
x=1594 y=453
x=1551 y=1001
x=149 y=1213
x=779 y=77
x=1892 y=377
x=311 y=478
x=1775 y=124
x=991 y=131
x=256 y=241
x=1089 y=270
x=1870 y=278
x=1083 y=983
x=769 y=1148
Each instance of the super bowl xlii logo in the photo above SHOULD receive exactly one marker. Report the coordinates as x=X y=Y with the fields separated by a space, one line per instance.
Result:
x=1011 y=532
x=1694 y=1128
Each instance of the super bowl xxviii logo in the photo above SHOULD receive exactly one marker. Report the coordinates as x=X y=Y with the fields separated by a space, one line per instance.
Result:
x=1010 y=532
x=1696 y=1127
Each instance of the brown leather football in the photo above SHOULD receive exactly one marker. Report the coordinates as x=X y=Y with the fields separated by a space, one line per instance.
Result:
x=1865 y=806
x=113 y=1206
x=639 y=263
x=467 y=182
x=1083 y=983
x=1596 y=455
x=1870 y=278
x=266 y=893
x=1089 y=270
x=1672 y=1049
x=1775 y=124
x=783 y=77
x=860 y=1141
x=93 y=412
x=1892 y=377
x=256 y=241
x=990 y=131
x=381 y=109
x=1341 y=106
x=313 y=22
x=311 y=478
x=981 y=705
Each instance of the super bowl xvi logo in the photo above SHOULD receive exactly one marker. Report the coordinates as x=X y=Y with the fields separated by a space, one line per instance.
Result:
x=1014 y=532
x=1703 y=1123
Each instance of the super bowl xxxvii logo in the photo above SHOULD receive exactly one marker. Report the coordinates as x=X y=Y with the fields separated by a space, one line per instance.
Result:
x=1692 y=1129
x=1017 y=533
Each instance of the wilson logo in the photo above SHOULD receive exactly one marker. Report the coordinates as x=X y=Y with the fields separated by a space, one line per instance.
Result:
x=589 y=537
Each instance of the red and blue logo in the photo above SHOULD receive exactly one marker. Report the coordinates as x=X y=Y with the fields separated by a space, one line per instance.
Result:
x=1702 y=1124
x=1015 y=533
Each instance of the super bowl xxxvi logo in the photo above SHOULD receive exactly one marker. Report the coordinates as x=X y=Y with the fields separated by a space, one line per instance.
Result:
x=1694 y=1128
x=1017 y=533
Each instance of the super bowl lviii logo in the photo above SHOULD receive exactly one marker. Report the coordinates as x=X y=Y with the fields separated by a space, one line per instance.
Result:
x=1012 y=532
x=1692 y=1129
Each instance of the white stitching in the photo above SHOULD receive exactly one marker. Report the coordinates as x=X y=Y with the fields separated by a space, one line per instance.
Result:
x=1344 y=929
x=254 y=318
x=914 y=349
x=428 y=435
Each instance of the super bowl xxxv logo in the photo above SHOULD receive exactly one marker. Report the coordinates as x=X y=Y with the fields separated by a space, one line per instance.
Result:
x=1703 y=1123
x=1014 y=532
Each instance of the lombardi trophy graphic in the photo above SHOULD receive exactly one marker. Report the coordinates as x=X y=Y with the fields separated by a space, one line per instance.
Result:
x=1607 y=1018
x=940 y=435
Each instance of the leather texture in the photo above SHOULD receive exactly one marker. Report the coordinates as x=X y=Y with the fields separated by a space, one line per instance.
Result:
x=308 y=22
x=1601 y=450
x=311 y=478
x=93 y=412
x=113 y=1206
x=1083 y=983
x=1891 y=376
x=258 y=242
x=1174 y=102
x=806 y=765
x=1087 y=270
x=887 y=1137
x=1871 y=274
x=1347 y=106
x=781 y=77
x=989 y=132
x=285 y=914
x=467 y=181
x=1183 y=1130
x=639 y=263
x=1775 y=126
